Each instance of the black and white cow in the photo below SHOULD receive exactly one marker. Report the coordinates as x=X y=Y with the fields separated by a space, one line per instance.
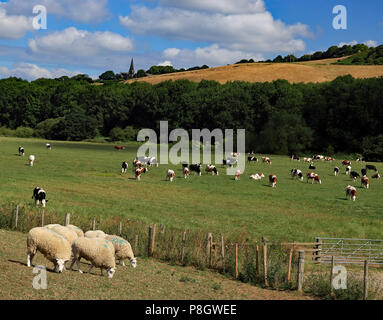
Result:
x=252 y=159
x=124 y=167
x=312 y=167
x=185 y=164
x=354 y=175
x=336 y=171
x=229 y=162
x=212 y=169
x=196 y=168
x=48 y=146
x=364 y=172
x=297 y=173
x=371 y=167
x=152 y=162
x=21 y=151
x=294 y=157
x=348 y=170
x=40 y=196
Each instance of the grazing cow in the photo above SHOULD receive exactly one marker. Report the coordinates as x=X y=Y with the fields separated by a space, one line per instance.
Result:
x=297 y=173
x=371 y=167
x=346 y=163
x=257 y=176
x=376 y=176
x=312 y=167
x=365 y=182
x=186 y=172
x=350 y=193
x=48 y=146
x=140 y=171
x=318 y=157
x=196 y=168
x=354 y=175
x=170 y=175
x=235 y=154
x=364 y=172
x=152 y=161
x=307 y=160
x=294 y=157
x=124 y=167
x=329 y=159
x=212 y=169
x=119 y=147
x=310 y=176
x=31 y=160
x=317 y=179
x=336 y=171
x=21 y=151
x=348 y=170
x=137 y=164
x=252 y=159
x=229 y=162
x=273 y=180
x=40 y=196
x=266 y=160
x=238 y=174
x=361 y=160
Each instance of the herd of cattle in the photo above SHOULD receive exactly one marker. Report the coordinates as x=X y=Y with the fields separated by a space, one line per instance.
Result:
x=141 y=165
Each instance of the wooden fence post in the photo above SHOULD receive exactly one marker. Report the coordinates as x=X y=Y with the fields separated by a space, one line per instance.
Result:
x=136 y=244
x=153 y=239
x=150 y=240
x=120 y=228
x=257 y=258
x=209 y=240
x=365 y=280
x=289 y=268
x=94 y=224
x=223 y=253
x=301 y=268
x=265 y=262
x=332 y=274
x=42 y=217
x=318 y=246
x=17 y=216
x=183 y=247
x=236 y=260
x=67 y=219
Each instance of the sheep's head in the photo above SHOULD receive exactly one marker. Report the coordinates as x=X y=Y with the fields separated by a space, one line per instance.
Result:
x=133 y=262
x=111 y=272
x=61 y=265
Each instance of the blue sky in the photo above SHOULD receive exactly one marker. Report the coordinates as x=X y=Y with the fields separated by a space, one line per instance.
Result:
x=91 y=36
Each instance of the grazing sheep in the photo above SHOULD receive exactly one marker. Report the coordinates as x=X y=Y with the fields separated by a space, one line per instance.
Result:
x=52 y=245
x=66 y=232
x=76 y=229
x=99 y=252
x=50 y=226
x=31 y=160
x=123 y=249
x=95 y=234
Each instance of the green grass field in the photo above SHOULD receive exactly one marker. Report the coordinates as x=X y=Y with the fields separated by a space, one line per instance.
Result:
x=85 y=178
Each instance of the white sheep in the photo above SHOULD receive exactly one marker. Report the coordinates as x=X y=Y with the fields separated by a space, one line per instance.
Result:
x=76 y=229
x=123 y=249
x=95 y=234
x=31 y=160
x=99 y=252
x=66 y=232
x=52 y=245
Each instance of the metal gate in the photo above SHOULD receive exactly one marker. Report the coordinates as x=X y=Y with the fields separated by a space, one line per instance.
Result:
x=349 y=251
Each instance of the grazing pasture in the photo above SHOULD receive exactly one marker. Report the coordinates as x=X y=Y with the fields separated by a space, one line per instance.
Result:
x=86 y=179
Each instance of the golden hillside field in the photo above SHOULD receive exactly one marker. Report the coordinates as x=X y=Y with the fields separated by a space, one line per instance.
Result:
x=311 y=71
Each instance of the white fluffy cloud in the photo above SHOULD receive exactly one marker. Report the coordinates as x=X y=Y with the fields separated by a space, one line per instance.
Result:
x=225 y=23
x=83 y=11
x=30 y=71
x=212 y=55
x=72 y=42
x=166 y=63
x=13 y=26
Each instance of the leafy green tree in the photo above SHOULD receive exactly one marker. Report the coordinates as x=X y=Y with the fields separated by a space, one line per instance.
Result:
x=108 y=75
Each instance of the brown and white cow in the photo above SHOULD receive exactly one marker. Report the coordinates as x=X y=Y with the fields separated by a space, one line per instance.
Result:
x=140 y=171
x=186 y=172
x=266 y=160
x=170 y=175
x=346 y=163
x=257 y=176
x=351 y=193
x=137 y=164
x=365 y=182
x=238 y=174
x=273 y=180
x=119 y=147
x=376 y=176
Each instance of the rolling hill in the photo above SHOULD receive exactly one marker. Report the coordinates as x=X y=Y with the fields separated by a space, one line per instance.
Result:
x=310 y=71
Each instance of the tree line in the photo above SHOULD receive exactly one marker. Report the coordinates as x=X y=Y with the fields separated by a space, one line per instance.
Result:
x=344 y=115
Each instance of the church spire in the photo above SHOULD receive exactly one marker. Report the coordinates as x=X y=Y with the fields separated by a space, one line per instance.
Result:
x=131 y=69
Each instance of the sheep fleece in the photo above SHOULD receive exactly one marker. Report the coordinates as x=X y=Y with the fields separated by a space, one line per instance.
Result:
x=122 y=247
